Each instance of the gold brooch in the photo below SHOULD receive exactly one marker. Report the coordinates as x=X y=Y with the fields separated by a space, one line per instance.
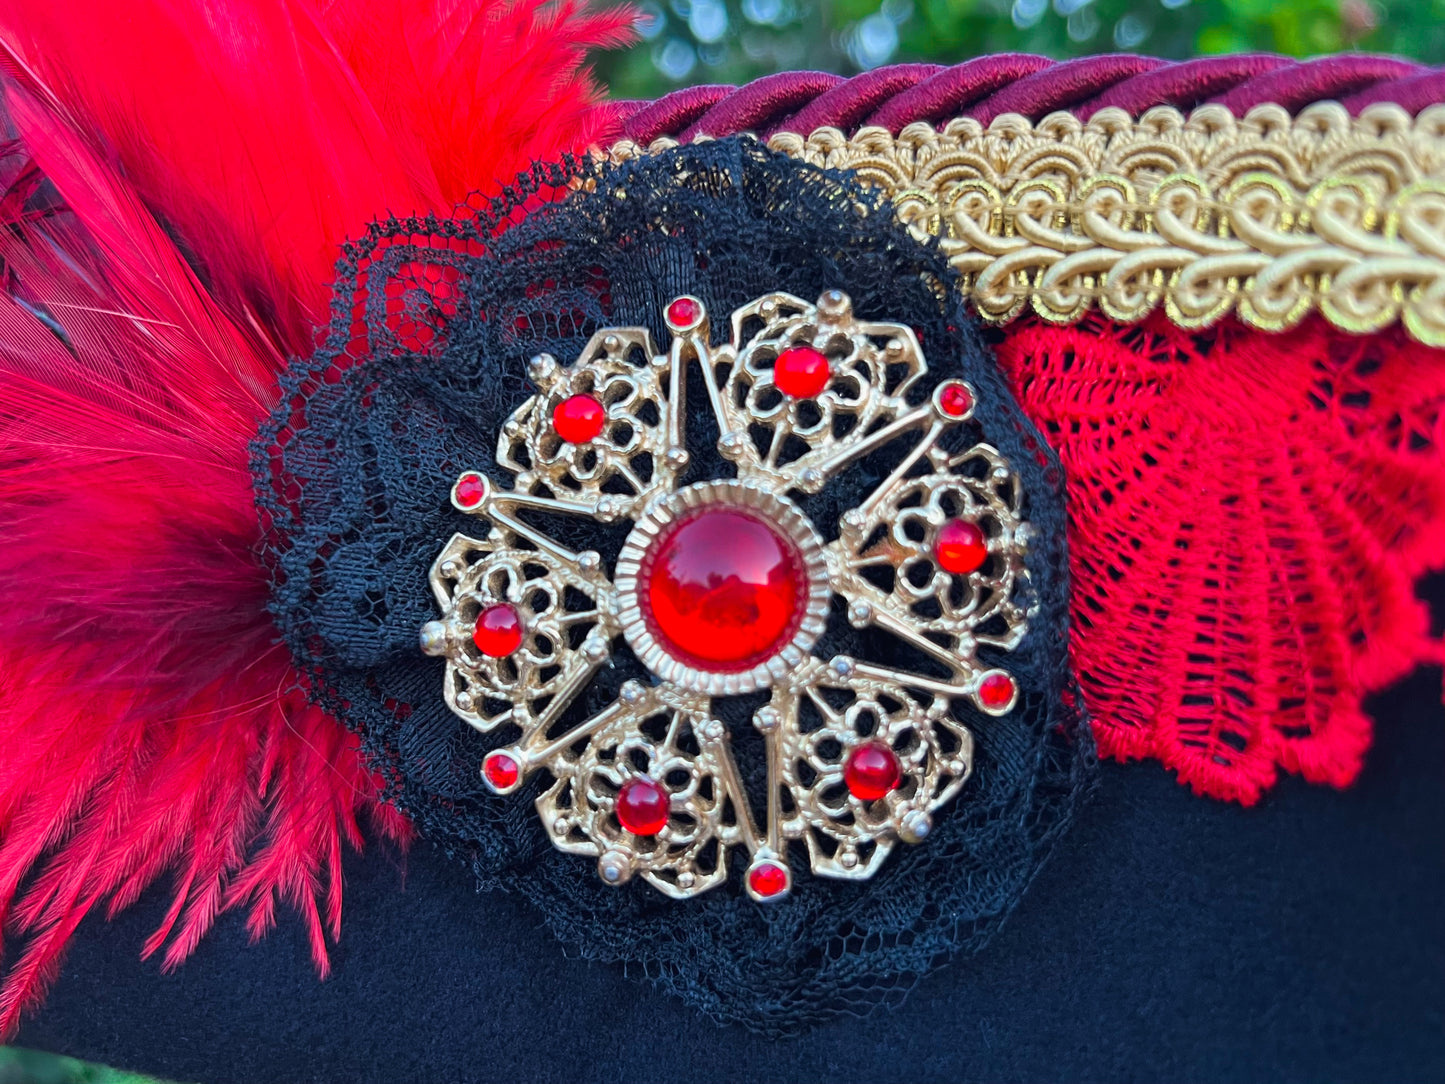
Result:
x=726 y=588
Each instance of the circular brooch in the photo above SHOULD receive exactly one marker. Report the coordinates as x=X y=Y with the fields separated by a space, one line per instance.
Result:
x=734 y=609
x=724 y=587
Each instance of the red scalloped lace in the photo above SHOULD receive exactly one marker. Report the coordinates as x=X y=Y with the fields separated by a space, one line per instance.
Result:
x=1248 y=516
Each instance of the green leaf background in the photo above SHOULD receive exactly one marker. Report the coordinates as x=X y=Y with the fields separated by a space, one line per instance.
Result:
x=731 y=41
x=20 y=1066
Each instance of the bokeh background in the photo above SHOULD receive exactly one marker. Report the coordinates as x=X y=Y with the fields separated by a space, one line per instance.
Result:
x=687 y=42
x=19 y=1066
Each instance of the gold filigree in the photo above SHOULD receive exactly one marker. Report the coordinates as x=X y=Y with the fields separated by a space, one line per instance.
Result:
x=881 y=565
x=1269 y=217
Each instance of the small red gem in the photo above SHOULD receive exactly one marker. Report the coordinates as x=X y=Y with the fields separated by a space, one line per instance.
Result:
x=579 y=419
x=723 y=590
x=767 y=879
x=642 y=807
x=960 y=547
x=499 y=630
x=470 y=489
x=995 y=691
x=684 y=312
x=501 y=770
x=955 y=399
x=872 y=771
x=801 y=372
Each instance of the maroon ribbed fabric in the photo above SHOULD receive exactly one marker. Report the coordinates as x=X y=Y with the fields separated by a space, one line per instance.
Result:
x=850 y=103
x=1413 y=93
x=1316 y=80
x=1063 y=85
x=985 y=87
x=952 y=90
x=673 y=112
x=1184 y=85
x=752 y=107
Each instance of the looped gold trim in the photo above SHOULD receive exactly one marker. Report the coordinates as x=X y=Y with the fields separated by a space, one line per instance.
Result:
x=1269 y=217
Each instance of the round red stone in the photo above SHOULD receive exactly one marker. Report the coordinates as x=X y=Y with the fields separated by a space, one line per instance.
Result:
x=684 y=312
x=722 y=590
x=872 y=771
x=499 y=630
x=767 y=879
x=642 y=807
x=501 y=770
x=960 y=547
x=954 y=399
x=996 y=691
x=579 y=419
x=470 y=489
x=801 y=372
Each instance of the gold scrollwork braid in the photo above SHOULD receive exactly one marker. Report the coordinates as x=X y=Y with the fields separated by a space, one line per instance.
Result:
x=1268 y=217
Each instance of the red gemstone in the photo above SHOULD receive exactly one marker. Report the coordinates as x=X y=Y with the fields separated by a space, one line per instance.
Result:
x=960 y=547
x=642 y=807
x=501 y=770
x=801 y=372
x=684 y=312
x=767 y=879
x=499 y=630
x=872 y=771
x=579 y=419
x=470 y=489
x=723 y=590
x=996 y=691
x=954 y=399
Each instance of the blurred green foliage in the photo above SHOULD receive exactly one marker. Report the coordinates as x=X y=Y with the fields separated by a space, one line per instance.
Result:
x=731 y=41
x=21 y=1066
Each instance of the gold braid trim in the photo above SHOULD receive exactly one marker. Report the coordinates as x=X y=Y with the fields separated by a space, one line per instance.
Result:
x=1268 y=217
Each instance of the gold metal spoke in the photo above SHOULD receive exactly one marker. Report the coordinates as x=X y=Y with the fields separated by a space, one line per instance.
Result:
x=715 y=739
x=560 y=506
x=542 y=541
x=845 y=453
x=562 y=699
x=541 y=750
x=869 y=507
x=905 y=679
x=780 y=714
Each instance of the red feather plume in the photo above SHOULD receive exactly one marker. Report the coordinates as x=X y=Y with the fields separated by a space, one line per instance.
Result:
x=270 y=131
x=151 y=719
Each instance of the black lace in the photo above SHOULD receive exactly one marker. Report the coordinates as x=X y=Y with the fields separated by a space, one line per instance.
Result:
x=433 y=323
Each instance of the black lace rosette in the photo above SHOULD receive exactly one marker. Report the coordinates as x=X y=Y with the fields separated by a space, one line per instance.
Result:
x=431 y=359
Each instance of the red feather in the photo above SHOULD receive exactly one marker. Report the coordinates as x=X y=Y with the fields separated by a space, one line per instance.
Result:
x=149 y=715
x=267 y=132
x=480 y=88
x=151 y=720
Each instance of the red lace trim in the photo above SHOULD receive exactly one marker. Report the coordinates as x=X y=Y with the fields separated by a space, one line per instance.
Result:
x=1248 y=516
